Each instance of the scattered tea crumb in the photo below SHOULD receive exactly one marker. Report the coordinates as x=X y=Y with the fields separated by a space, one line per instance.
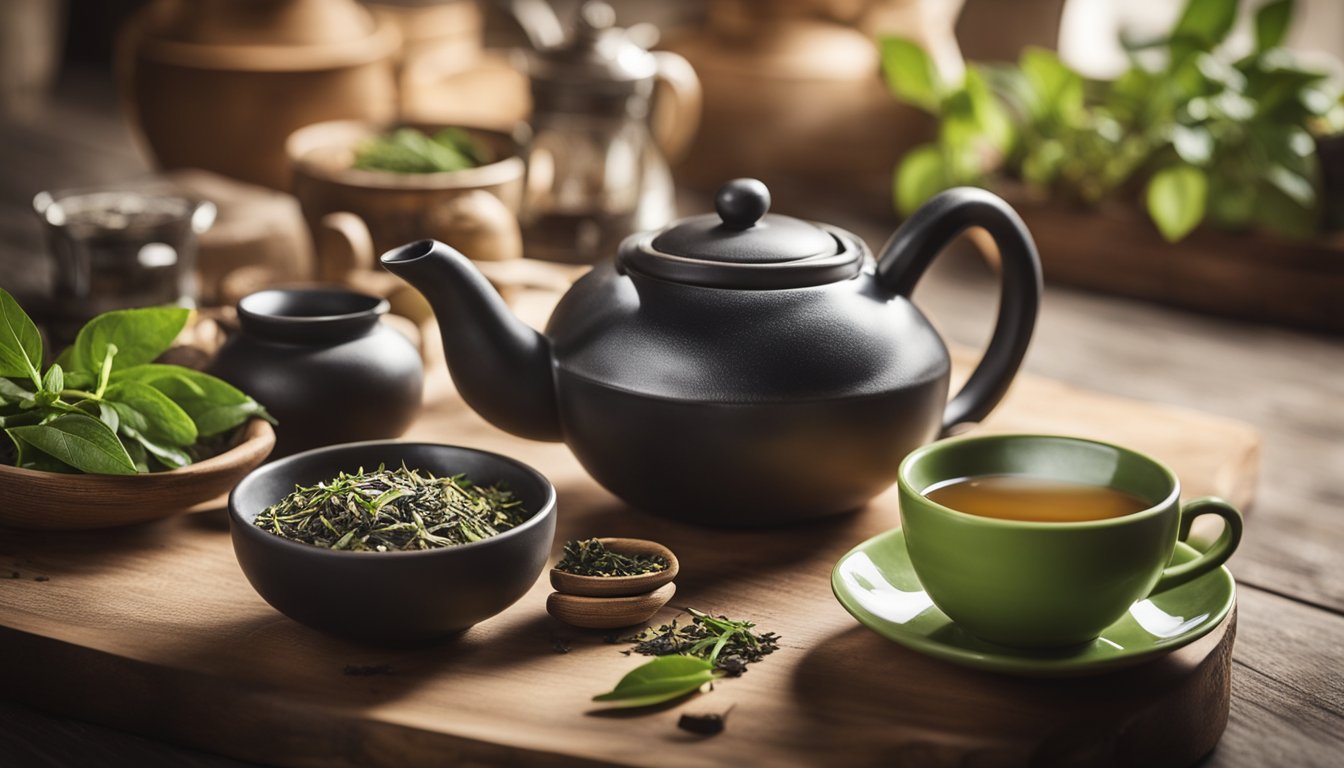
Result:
x=734 y=642
x=15 y=574
x=41 y=578
x=367 y=670
x=705 y=724
x=560 y=644
x=590 y=557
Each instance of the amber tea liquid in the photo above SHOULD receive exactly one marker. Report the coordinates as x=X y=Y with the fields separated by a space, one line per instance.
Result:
x=1034 y=499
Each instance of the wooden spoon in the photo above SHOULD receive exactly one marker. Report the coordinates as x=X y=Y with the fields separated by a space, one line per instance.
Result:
x=619 y=586
x=608 y=612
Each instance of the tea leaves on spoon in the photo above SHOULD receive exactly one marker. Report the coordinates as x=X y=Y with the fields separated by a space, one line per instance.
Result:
x=20 y=343
x=590 y=557
x=81 y=441
x=662 y=679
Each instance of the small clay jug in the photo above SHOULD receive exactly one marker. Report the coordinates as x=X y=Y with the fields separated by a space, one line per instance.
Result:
x=324 y=366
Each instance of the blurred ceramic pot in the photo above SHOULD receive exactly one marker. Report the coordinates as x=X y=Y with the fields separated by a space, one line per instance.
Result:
x=477 y=207
x=220 y=84
x=324 y=365
x=810 y=72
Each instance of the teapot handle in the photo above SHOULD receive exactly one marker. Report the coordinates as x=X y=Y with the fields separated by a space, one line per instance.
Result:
x=676 y=112
x=923 y=236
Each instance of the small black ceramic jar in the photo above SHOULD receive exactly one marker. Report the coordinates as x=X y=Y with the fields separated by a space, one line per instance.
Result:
x=324 y=367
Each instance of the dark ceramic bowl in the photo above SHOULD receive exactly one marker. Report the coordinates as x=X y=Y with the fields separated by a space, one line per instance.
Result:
x=392 y=597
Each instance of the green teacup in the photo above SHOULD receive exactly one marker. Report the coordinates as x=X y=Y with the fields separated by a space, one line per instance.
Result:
x=1049 y=584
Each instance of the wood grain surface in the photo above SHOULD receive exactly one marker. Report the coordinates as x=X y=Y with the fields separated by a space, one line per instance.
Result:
x=154 y=629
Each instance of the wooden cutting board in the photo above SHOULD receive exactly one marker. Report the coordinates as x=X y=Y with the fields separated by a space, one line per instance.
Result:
x=154 y=629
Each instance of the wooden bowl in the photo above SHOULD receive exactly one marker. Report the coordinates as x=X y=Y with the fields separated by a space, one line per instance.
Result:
x=619 y=586
x=51 y=501
x=608 y=612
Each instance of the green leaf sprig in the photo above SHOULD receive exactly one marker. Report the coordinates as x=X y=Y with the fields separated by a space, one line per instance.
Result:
x=1203 y=136
x=104 y=407
x=688 y=656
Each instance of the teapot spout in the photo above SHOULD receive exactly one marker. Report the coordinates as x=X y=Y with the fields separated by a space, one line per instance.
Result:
x=501 y=366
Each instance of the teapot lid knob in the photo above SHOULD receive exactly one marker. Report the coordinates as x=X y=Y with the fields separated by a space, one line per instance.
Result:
x=742 y=202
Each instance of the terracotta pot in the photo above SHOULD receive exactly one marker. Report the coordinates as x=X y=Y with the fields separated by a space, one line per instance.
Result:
x=220 y=84
x=476 y=209
x=793 y=91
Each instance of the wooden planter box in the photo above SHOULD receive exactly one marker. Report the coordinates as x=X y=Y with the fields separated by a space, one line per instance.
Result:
x=1116 y=250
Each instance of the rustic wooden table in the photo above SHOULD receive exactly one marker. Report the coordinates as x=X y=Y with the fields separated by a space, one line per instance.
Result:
x=1288 y=683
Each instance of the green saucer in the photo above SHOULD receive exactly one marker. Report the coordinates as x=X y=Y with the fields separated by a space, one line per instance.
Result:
x=876 y=583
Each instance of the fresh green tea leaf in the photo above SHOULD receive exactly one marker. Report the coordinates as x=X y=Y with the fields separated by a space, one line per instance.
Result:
x=1294 y=186
x=1271 y=24
x=662 y=679
x=80 y=379
x=138 y=455
x=920 y=175
x=1194 y=144
x=990 y=117
x=12 y=393
x=54 y=380
x=139 y=335
x=1206 y=22
x=151 y=413
x=20 y=343
x=80 y=441
x=1058 y=89
x=170 y=456
x=1177 y=198
x=23 y=418
x=910 y=72
x=28 y=457
x=108 y=415
x=214 y=405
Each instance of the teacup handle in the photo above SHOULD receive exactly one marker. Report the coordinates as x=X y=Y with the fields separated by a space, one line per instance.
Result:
x=1215 y=555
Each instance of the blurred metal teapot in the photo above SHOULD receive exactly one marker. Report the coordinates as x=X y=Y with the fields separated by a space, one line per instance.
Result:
x=598 y=160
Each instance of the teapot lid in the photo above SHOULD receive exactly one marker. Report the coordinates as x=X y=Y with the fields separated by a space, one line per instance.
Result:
x=598 y=59
x=742 y=246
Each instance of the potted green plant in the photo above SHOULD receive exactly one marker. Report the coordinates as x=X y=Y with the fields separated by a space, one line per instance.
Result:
x=1224 y=153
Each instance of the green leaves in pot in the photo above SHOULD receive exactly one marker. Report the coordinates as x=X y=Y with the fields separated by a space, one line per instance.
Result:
x=104 y=407
x=407 y=150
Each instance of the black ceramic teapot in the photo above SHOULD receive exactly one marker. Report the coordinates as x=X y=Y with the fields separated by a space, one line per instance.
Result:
x=738 y=369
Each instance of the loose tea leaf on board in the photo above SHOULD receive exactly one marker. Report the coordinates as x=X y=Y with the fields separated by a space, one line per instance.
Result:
x=704 y=724
x=707 y=648
x=731 y=644
x=660 y=680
